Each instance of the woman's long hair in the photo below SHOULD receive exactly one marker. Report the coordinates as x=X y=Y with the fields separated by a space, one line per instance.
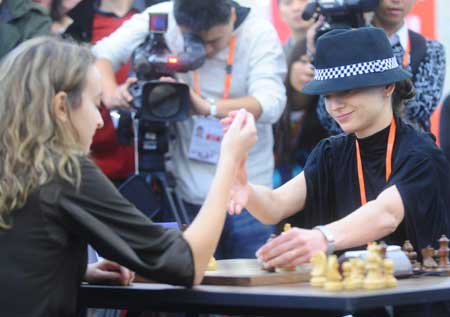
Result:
x=34 y=145
x=311 y=131
x=403 y=91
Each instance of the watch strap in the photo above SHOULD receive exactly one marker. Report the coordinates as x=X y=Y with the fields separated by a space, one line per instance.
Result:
x=212 y=107
x=331 y=245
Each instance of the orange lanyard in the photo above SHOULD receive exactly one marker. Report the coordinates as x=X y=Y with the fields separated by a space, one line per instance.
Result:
x=228 y=71
x=390 y=148
x=407 y=55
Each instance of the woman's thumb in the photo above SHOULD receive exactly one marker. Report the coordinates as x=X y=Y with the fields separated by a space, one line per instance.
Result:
x=238 y=120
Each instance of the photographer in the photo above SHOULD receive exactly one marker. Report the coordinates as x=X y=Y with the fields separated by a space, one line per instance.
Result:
x=255 y=83
x=424 y=58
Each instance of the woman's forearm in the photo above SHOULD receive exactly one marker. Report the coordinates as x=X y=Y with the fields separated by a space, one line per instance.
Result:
x=270 y=206
x=261 y=204
x=373 y=221
x=204 y=232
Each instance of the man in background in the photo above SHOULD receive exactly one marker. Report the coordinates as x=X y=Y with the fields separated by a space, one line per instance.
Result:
x=244 y=68
x=291 y=12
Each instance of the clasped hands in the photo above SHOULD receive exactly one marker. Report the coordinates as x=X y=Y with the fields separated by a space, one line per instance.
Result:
x=291 y=248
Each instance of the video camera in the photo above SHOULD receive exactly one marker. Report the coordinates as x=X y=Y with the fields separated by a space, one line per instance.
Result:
x=156 y=104
x=339 y=13
x=157 y=100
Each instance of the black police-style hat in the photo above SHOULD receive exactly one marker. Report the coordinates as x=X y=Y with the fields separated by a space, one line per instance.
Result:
x=353 y=58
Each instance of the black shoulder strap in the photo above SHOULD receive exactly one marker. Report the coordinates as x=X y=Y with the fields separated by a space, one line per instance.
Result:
x=83 y=16
x=418 y=50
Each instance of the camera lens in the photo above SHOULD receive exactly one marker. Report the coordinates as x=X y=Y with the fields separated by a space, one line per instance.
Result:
x=164 y=101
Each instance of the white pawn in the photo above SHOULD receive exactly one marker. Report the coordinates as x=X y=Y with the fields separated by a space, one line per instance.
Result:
x=334 y=279
x=374 y=278
x=356 y=274
x=347 y=271
x=389 y=277
x=318 y=273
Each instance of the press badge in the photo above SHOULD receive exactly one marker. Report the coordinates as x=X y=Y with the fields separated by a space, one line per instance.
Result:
x=206 y=138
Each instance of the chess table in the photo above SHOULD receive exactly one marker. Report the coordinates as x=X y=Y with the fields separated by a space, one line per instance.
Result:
x=280 y=300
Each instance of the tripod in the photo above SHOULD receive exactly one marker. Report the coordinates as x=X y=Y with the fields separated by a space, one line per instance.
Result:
x=152 y=188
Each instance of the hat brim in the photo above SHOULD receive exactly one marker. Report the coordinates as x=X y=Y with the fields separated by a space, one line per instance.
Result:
x=321 y=87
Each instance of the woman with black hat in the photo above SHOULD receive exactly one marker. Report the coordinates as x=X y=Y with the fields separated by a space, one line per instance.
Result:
x=380 y=180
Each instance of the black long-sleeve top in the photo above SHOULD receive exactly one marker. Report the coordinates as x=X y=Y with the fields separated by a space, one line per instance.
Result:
x=419 y=171
x=43 y=256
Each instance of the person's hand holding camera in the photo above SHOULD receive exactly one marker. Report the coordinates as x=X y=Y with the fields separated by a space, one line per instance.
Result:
x=199 y=105
x=119 y=97
x=311 y=37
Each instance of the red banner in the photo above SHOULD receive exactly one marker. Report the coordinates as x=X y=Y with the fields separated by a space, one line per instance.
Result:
x=422 y=18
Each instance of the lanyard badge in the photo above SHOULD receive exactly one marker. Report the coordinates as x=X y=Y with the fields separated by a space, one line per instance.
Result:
x=207 y=132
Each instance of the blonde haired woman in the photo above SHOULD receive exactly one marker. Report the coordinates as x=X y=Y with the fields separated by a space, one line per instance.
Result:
x=53 y=200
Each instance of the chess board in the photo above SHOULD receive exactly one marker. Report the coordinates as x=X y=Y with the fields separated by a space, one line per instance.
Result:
x=248 y=272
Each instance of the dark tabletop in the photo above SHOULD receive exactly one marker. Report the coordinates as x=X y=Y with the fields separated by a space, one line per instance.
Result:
x=288 y=299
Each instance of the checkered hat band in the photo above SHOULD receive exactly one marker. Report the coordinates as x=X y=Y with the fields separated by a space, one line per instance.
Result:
x=376 y=66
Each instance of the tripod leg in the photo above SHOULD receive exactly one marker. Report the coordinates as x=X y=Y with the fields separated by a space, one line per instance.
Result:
x=183 y=211
x=173 y=207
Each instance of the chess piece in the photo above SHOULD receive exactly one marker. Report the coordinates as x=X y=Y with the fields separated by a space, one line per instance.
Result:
x=436 y=257
x=356 y=274
x=318 y=273
x=286 y=228
x=428 y=263
x=389 y=278
x=346 y=272
x=408 y=249
x=383 y=249
x=443 y=253
x=333 y=282
x=212 y=264
x=374 y=278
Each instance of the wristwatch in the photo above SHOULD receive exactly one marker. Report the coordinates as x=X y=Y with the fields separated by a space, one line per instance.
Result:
x=212 y=107
x=331 y=245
